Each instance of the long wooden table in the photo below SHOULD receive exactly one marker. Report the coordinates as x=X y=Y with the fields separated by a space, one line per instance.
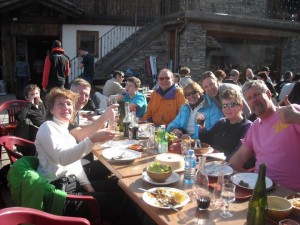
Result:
x=189 y=214
x=122 y=170
x=130 y=179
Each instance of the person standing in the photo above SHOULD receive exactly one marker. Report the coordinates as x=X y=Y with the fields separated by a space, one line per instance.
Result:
x=22 y=76
x=87 y=64
x=56 y=69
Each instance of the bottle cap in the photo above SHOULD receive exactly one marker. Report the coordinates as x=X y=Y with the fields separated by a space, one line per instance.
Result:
x=191 y=152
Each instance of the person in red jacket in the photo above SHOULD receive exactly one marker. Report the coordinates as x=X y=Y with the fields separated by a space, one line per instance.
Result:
x=56 y=69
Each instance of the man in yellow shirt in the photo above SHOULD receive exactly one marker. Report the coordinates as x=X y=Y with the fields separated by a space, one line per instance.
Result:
x=166 y=101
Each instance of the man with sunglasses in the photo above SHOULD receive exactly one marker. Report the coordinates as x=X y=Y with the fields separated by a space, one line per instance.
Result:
x=273 y=138
x=113 y=86
x=165 y=101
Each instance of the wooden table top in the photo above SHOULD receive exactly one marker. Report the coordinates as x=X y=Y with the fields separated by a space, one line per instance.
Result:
x=122 y=170
x=189 y=214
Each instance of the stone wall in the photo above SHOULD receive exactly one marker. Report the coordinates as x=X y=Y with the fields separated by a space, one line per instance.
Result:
x=291 y=55
x=192 y=49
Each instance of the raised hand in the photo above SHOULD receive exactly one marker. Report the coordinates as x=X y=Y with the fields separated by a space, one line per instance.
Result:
x=288 y=113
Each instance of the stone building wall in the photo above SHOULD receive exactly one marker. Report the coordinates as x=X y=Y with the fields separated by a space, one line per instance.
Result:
x=192 y=49
x=291 y=55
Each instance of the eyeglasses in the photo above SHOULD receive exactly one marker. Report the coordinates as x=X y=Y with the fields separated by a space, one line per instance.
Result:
x=229 y=105
x=190 y=93
x=164 y=78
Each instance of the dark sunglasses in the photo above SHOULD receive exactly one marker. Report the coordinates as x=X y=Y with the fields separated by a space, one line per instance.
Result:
x=190 y=93
x=164 y=78
x=229 y=105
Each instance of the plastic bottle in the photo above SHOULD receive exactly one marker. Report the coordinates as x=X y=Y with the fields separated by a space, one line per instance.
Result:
x=163 y=140
x=217 y=199
x=126 y=120
x=134 y=126
x=258 y=203
x=190 y=163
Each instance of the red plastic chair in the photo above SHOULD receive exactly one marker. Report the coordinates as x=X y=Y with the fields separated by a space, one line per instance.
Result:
x=8 y=121
x=21 y=215
x=10 y=143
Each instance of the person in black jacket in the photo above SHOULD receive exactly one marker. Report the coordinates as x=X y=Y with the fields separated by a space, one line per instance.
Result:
x=56 y=69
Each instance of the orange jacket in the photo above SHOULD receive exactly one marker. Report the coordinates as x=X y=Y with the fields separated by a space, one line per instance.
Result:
x=164 y=109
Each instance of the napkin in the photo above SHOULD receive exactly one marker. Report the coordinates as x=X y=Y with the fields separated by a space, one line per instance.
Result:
x=219 y=155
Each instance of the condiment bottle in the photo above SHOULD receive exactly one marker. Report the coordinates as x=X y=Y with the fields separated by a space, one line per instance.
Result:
x=258 y=203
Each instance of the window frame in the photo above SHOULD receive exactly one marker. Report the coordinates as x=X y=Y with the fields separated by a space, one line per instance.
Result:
x=95 y=51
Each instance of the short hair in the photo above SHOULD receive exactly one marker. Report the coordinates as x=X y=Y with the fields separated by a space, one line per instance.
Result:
x=166 y=70
x=194 y=86
x=56 y=44
x=220 y=74
x=232 y=94
x=56 y=93
x=184 y=71
x=255 y=83
x=177 y=75
x=288 y=75
x=207 y=74
x=263 y=75
x=136 y=81
x=79 y=82
x=296 y=77
x=118 y=72
x=234 y=73
x=29 y=88
x=265 y=68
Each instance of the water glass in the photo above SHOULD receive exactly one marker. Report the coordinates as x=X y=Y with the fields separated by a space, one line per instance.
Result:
x=185 y=145
x=228 y=195
x=288 y=222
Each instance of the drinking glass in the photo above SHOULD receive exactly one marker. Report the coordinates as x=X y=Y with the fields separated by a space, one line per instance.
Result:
x=200 y=118
x=228 y=195
x=288 y=222
x=185 y=145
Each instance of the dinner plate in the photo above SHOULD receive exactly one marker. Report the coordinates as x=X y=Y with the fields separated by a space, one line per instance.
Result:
x=122 y=143
x=118 y=154
x=150 y=200
x=172 y=179
x=249 y=178
x=213 y=168
x=209 y=150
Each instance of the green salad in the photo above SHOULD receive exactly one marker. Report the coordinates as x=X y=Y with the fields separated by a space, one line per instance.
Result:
x=156 y=167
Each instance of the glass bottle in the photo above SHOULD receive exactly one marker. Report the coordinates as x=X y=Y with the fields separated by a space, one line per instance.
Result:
x=201 y=185
x=217 y=199
x=163 y=140
x=258 y=204
x=151 y=144
x=133 y=126
x=126 y=120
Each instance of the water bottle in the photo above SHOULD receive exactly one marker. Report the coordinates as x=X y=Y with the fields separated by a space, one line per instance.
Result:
x=163 y=140
x=190 y=162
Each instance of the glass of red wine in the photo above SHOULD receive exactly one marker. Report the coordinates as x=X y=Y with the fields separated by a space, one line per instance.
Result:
x=203 y=198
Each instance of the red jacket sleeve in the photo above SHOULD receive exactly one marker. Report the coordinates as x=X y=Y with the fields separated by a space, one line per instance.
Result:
x=46 y=72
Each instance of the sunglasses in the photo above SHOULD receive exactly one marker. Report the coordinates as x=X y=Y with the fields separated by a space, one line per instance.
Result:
x=164 y=78
x=190 y=93
x=229 y=105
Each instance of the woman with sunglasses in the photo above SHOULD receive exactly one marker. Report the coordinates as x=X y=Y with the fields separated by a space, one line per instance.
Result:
x=185 y=122
x=225 y=135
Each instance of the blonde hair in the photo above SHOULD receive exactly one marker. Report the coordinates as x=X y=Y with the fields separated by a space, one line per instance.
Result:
x=56 y=93
x=194 y=86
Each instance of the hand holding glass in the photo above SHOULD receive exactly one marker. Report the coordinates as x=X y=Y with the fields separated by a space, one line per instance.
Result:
x=200 y=118
x=228 y=195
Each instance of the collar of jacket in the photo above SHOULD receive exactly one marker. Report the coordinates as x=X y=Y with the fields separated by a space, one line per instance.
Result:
x=58 y=50
x=170 y=93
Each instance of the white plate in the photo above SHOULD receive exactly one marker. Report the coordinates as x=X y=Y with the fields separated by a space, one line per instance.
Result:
x=249 y=178
x=152 y=201
x=127 y=154
x=213 y=168
x=122 y=144
x=172 y=179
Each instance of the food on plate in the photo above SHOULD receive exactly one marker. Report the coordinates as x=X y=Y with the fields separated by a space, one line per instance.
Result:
x=156 y=167
x=295 y=202
x=136 y=147
x=243 y=184
x=165 y=197
x=203 y=150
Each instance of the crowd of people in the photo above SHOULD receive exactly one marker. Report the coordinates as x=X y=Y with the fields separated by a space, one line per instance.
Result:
x=242 y=121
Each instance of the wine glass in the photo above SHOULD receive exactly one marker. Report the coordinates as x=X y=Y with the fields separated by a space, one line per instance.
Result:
x=200 y=118
x=228 y=195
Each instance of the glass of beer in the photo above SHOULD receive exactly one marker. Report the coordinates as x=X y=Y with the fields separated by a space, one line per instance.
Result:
x=200 y=118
